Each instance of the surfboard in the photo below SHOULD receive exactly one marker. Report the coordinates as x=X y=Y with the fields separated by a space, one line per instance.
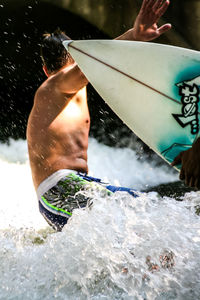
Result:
x=153 y=88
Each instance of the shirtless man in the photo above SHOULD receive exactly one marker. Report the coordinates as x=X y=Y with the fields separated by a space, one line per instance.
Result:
x=58 y=125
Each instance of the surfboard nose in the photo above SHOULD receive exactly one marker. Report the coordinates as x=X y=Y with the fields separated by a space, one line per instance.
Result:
x=66 y=44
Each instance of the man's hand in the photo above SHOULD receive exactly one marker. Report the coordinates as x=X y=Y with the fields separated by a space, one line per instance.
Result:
x=190 y=170
x=145 y=26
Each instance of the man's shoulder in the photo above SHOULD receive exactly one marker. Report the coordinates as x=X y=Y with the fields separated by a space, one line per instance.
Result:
x=47 y=84
x=43 y=90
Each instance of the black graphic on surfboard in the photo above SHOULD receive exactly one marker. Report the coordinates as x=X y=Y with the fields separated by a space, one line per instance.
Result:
x=189 y=92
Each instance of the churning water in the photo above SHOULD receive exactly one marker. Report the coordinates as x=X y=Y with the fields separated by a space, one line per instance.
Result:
x=122 y=248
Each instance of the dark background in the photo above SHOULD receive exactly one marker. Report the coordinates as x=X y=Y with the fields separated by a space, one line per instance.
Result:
x=20 y=64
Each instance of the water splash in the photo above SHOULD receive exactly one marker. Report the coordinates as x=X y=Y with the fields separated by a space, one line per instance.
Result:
x=123 y=248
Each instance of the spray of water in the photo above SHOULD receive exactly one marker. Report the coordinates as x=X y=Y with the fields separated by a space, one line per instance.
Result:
x=122 y=248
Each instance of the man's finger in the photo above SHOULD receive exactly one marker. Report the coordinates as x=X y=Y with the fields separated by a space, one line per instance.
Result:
x=197 y=183
x=157 y=5
x=177 y=160
x=163 y=8
x=182 y=174
x=164 y=28
x=144 y=4
x=150 y=4
x=191 y=182
x=187 y=179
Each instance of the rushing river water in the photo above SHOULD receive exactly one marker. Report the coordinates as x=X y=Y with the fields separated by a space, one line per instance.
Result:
x=123 y=248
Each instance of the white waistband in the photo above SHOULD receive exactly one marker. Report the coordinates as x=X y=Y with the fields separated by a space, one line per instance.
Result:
x=50 y=181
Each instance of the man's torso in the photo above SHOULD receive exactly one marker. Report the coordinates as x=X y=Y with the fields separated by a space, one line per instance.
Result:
x=57 y=132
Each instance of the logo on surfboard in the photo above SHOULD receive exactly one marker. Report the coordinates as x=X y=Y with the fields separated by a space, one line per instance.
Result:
x=189 y=92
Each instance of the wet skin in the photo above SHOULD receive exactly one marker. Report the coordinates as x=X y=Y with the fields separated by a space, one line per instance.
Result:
x=58 y=126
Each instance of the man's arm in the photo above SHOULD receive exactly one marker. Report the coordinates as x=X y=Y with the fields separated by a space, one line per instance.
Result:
x=71 y=81
x=145 y=27
x=190 y=161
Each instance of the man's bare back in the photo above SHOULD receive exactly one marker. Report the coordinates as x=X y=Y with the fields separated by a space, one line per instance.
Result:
x=58 y=125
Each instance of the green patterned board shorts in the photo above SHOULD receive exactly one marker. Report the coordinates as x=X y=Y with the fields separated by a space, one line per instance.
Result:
x=70 y=191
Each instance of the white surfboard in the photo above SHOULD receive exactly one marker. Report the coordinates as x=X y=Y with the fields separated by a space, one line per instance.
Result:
x=153 y=88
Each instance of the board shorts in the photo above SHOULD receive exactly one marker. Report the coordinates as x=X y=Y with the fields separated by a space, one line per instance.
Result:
x=66 y=190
